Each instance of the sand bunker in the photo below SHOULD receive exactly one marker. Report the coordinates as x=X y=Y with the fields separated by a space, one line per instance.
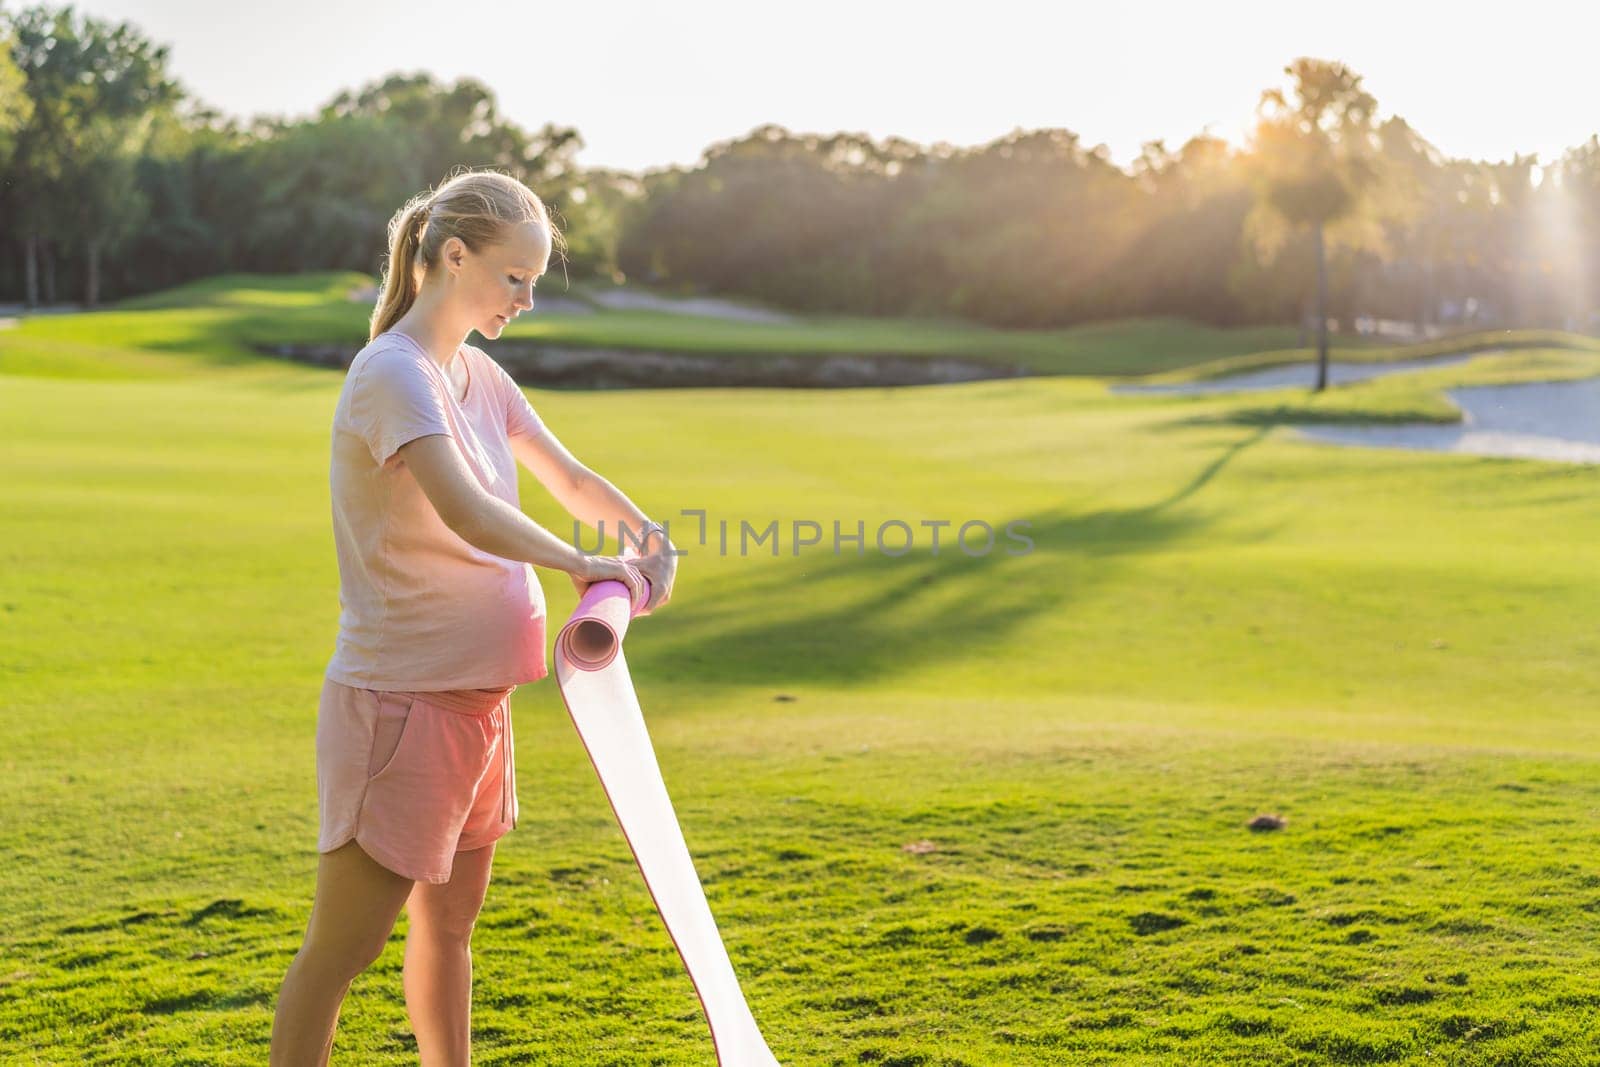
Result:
x=1558 y=421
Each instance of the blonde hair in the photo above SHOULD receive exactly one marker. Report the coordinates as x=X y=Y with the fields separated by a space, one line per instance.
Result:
x=478 y=206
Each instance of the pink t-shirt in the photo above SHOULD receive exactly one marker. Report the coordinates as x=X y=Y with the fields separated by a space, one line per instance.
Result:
x=420 y=608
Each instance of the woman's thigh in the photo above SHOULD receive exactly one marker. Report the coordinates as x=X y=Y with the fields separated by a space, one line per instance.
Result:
x=357 y=902
x=449 y=909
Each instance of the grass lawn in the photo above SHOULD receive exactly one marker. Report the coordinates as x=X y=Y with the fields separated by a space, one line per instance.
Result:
x=1396 y=652
x=217 y=320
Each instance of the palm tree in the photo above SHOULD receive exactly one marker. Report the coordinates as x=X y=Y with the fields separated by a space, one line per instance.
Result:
x=1316 y=161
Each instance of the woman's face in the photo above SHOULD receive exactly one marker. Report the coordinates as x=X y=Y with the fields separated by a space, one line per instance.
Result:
x=496 y=284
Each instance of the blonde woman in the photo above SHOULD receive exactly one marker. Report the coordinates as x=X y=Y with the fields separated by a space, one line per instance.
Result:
x=441 y=613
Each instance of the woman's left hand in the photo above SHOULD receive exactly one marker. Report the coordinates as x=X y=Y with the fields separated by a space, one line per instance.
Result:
x=661 y=567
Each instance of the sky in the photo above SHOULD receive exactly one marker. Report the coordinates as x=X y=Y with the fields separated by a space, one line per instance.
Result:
x=653 y=84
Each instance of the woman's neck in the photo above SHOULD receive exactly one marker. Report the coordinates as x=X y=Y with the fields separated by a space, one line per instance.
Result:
x=429 y=329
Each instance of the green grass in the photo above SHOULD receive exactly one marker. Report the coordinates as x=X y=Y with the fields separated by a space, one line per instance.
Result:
x=1394 y=651
x=1476 y=341
x=210 y=325
x=219 y=319
x=1102 y=349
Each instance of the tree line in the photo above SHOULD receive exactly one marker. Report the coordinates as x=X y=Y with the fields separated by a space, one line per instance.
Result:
x=114 y=180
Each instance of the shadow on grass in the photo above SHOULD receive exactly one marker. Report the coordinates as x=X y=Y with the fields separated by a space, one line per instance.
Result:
x=1288 y=414
x=828 y=619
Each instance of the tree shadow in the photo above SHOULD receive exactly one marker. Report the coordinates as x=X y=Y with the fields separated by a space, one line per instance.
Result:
x=1269 y=417
x=824 y=619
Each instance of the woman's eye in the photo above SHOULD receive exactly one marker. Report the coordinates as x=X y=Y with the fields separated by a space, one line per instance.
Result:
x=515 y=280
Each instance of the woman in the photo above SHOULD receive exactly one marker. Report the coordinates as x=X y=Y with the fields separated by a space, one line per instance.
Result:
x=442 y=616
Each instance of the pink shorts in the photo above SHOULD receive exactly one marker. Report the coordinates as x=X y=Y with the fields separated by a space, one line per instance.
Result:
x=414 y=778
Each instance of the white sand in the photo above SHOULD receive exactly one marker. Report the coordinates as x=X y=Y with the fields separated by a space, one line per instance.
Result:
x=1558 y=421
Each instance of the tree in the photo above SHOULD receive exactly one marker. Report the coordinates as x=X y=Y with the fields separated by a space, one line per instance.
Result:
x=1580 y=181
x=1194 y=203
x=194 y=177
x=16 y=109
x=324 y=189
x=1318 y=166
x=92 y=86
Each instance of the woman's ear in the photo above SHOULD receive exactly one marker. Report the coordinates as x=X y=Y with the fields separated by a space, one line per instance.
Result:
x=453 y=254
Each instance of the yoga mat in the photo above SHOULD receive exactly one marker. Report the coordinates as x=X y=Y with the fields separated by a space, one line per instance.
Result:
x=592 y=675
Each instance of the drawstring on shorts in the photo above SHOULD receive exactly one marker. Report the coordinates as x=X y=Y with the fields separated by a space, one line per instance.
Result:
x=508 y=770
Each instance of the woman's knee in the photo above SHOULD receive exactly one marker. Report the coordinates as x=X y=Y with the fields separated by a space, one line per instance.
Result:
x=453 y=930
x=331 y=964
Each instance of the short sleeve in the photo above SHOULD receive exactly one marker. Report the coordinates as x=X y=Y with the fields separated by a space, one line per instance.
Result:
x=395 y=399
x=520 y=416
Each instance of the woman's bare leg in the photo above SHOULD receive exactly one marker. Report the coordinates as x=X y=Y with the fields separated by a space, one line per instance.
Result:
x=438 y=967
x=357 y=902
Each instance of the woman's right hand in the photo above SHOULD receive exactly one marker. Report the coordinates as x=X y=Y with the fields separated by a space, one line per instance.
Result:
x=600 y=568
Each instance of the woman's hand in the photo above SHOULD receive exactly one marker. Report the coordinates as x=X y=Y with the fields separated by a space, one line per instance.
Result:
x=600 y=568
x=661 y=567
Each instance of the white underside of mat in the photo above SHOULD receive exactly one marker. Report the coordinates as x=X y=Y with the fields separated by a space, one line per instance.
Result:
x=605 y=711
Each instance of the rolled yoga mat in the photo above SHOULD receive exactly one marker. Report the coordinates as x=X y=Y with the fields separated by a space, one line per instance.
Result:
x=592 y=676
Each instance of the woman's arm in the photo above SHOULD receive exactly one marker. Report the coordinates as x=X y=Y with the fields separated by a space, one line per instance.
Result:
x=592 y=500
x=587 y=496
x=488 y=523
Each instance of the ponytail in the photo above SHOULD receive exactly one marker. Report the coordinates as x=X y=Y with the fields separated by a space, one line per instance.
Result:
x=399 y=290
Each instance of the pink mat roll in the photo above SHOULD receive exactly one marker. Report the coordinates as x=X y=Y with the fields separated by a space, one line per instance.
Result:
x=592 y=675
